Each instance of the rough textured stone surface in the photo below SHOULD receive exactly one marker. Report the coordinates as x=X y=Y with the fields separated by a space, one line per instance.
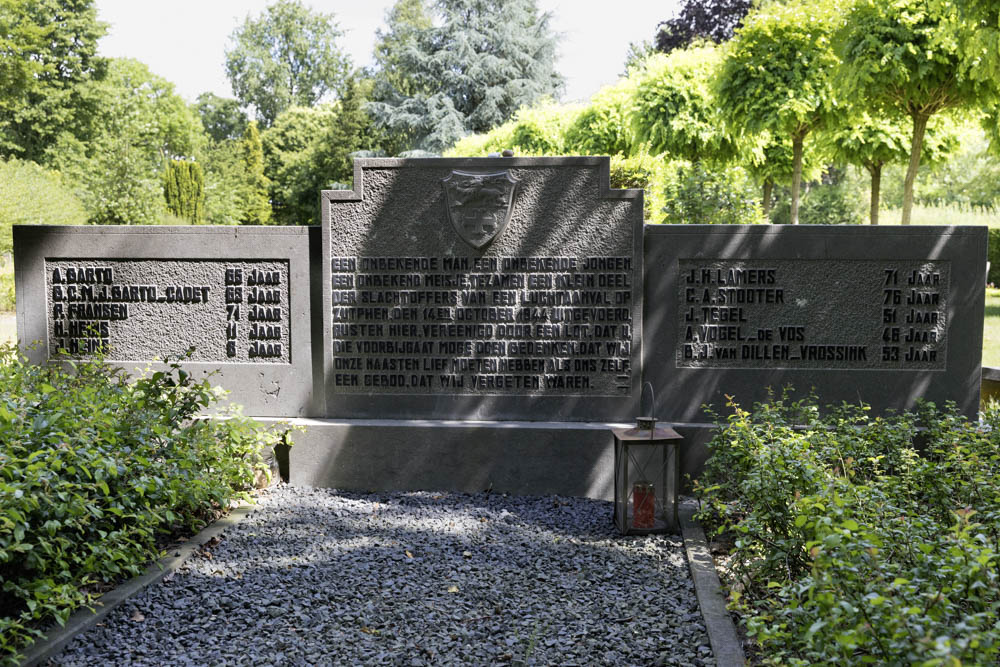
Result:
x=840 y=294
x=563 y=209
x=319 y=577
x=151 y=292
x=175 y=316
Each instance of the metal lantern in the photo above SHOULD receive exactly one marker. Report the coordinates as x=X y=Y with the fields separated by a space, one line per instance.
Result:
x=646 y=474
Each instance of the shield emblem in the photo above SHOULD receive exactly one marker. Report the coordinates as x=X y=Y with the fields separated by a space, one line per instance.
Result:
x=479 y=205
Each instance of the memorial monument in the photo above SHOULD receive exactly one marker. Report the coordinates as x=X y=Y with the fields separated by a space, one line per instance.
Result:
x=480 y=323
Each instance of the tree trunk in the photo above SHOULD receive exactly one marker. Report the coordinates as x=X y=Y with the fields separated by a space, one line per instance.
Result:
x=876 y=173
x=796 y=174
x=919 y=125
x=766 y=201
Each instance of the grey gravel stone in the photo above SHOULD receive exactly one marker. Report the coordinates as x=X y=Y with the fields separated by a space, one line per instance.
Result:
x=316 y=576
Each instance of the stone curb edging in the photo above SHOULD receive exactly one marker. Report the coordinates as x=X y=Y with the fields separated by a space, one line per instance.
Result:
x=85 y=619
x=722 y=636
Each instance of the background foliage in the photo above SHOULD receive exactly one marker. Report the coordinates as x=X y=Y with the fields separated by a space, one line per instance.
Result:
x=34 y=196
x=468 y=71
x=288 y=56
x=468 y=77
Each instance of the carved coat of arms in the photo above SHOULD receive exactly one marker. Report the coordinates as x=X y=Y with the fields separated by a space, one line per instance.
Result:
x=479 y=205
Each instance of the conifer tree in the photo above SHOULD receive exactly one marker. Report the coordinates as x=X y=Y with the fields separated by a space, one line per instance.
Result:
x=254 y=200
x=184 y=190
x=469 y=71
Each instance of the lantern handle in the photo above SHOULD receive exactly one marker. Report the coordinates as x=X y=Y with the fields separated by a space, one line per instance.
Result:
x=646 y=421
x=647 y=401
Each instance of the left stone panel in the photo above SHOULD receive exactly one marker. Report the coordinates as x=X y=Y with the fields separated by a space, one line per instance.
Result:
x=236 y=298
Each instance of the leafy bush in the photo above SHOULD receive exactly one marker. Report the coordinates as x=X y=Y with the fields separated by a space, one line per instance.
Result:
x=993 y=256
x=852 y=544
x=93 y=469
x=533 y=131
x=32 y=195
x=602 y=127
x=694 y=194
x=646 y=172
x=824 y=205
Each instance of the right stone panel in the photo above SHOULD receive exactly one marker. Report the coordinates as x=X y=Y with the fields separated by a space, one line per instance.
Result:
x=882 y=315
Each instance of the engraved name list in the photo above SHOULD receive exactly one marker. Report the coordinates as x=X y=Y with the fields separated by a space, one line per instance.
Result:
x=228 y=311
x=838 y=314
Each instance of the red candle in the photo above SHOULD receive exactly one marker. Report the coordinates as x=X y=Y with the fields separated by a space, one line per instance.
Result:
x=643 y=504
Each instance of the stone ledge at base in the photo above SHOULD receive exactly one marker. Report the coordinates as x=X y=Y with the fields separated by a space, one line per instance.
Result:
x=519 y=457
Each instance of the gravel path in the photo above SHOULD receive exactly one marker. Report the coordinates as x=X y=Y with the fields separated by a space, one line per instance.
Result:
x=314 y=576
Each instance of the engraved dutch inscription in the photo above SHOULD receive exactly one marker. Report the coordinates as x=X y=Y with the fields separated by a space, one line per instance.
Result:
x=823 y=314
x=494 y=325
x=495 y=287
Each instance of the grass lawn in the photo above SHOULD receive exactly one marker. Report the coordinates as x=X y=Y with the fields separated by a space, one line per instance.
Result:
x=941 y=215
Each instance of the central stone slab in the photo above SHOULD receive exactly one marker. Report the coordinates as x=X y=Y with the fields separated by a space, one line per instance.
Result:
x=482 y=289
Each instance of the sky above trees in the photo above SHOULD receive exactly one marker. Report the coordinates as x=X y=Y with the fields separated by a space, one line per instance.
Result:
x=184 y=40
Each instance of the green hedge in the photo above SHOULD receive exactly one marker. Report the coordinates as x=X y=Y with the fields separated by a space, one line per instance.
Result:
x=695 y=194
x=853 y=545
x=93 y=470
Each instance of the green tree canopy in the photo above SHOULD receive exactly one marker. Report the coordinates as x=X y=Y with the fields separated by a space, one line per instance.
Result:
x=539 y=130
x=903 y=58
x=714 y=20
x=470 y=71
x=675 y=110
x=873 y=142
x=221 y=117
x=138 y=123
x=602 y=128
x=404 y=22
x=20 y=39
x=289 y=161
x=309 y=149
x=777 y=76
x=33 y=195
x=288 y=56
x=979 y=46
x=48 y=50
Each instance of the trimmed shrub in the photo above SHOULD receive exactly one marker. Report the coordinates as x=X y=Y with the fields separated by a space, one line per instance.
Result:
x=851 y=544
x=824 y=205
x=532 y=131
x=602 y=127
x=693 y=194
x=93 y=470
x=6 y=291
